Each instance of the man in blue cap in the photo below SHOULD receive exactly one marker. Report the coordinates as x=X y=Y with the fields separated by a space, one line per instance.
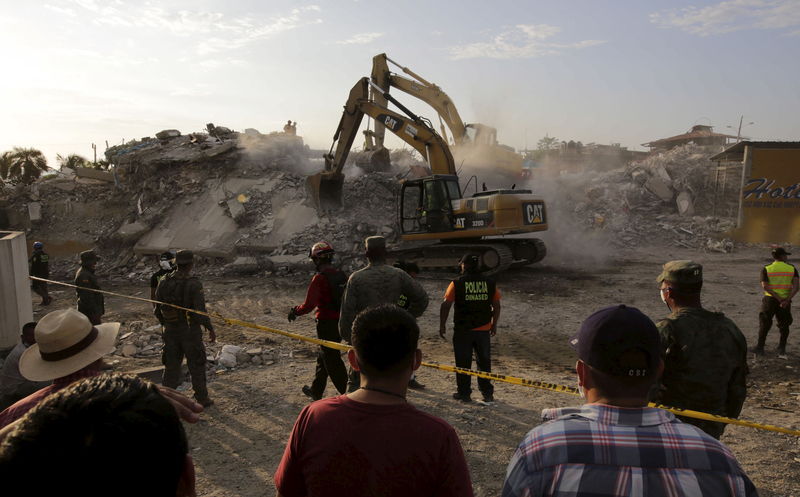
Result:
x=615 y=444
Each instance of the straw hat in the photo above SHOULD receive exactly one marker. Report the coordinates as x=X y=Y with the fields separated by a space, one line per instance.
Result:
x=66 y=342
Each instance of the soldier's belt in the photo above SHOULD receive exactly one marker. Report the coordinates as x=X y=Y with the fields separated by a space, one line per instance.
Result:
x=540 y=385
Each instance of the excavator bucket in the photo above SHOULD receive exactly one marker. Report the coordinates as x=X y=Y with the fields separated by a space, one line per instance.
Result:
x=326 y=190
x=376 y=160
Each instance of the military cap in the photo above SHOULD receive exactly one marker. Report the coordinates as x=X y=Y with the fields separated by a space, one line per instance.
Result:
x=681 y=272
x=89 y=256
x=184 y=257
x=375 y=243
x=166 y=256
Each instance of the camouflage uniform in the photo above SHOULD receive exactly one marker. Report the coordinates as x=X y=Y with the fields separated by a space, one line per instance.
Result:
x=92 y=304
x=183 y=335
x=705 y=362
x=379 y=284
x=40 y=267
x=376 y=284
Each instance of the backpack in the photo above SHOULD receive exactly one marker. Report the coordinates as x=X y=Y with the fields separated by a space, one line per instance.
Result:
x=172 y=290
x=337 y=281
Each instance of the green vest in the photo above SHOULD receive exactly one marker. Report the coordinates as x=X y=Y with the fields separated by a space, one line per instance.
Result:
x=780 y=277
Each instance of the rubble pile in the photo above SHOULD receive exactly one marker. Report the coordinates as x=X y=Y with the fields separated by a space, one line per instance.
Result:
x=239 y=200
x=141 y=341
x=667 y=198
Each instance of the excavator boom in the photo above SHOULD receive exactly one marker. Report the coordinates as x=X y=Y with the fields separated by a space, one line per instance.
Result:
x=326 y=187
x=417 y=87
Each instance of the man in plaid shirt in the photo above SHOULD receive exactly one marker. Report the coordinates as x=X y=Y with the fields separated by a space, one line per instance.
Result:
x=615 y=445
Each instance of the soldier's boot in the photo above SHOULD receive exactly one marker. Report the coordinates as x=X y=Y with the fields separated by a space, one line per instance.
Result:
x=762 y=340
x=782 y=343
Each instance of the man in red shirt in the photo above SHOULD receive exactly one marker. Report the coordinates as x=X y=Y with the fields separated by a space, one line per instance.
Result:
x=372 y=441
x=325 y=294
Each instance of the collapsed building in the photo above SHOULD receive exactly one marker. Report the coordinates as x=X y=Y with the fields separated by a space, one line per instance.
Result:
x=239 y=200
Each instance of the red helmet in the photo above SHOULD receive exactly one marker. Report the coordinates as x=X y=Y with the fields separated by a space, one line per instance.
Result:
x=321 y=249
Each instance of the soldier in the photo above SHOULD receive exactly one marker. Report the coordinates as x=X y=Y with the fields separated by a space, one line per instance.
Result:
x=325 y=294
x=182 y=333
x=40 y=267
x=90 y=303
x=780 y=283
x=378 y=283
x=166 y=264
x=705 y=353
x=477 y=302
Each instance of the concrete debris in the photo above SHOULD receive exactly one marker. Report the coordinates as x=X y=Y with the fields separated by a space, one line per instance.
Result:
x=685 y=204
x=167 y=134
x=655 y=201
x=35 y=211
x=243 y=266
x=227 y=357
x=96 y=174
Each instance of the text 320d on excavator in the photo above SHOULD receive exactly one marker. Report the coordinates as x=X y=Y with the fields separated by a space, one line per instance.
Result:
x=433 y=209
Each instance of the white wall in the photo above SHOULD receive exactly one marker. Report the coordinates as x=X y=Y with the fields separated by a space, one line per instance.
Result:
x=16 y=307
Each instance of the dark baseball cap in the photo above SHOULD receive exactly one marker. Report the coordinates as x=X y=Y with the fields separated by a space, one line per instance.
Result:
x=166 y=256
x=619 y=341
x=470 y=260
x=779 y=251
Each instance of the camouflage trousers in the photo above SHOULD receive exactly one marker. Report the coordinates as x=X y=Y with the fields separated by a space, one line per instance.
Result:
x=184 y=341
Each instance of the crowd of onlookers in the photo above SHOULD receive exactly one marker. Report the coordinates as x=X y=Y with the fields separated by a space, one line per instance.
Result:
x=85 y=426
x=66 y=428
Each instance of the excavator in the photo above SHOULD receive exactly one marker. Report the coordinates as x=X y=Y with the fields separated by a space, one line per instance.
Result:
x=433 y=213
x=474 y=145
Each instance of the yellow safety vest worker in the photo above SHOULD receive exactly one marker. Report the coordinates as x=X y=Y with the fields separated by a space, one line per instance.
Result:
x=780 y=277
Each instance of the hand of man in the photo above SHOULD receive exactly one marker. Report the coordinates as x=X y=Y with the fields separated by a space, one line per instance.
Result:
x=785 y=303
x=185 y=407
x=292 y=315
x=442 y=331
x=212 y=335
x=493 y=331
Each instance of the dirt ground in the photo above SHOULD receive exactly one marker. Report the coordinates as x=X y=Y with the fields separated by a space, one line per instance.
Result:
x=239 y=441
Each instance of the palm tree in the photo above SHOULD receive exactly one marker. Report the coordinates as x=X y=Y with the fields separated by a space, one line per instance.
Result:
x=71 y=161
x=5 y=164
x=25 y=165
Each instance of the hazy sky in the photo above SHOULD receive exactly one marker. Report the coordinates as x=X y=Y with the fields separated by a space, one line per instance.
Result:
x=604 y=71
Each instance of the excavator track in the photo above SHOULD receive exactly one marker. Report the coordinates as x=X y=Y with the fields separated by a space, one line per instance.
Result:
x=497 y=255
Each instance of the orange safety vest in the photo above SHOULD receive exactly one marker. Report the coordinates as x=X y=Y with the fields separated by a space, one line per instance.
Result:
x=780 y=277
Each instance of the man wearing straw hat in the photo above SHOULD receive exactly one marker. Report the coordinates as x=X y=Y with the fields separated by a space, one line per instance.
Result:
x=68 y=348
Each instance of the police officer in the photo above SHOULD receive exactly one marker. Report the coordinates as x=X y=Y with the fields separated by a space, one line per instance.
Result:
x=780 y=283
x=182 y=333
x=40 y=267
x=704 y=352
x=378 y=283
x=325 y=294
x=90 y=303
x=477 y=309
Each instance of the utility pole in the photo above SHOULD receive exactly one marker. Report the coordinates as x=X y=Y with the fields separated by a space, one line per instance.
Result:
x=739 y=132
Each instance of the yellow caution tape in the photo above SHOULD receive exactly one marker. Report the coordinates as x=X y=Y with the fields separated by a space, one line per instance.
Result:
x=541 y=385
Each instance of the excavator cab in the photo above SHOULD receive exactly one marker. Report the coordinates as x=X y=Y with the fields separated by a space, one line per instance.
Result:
x=427 y=204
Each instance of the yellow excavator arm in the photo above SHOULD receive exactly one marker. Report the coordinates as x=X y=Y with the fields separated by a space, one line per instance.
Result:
x=417 y=87
x=326 y=187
